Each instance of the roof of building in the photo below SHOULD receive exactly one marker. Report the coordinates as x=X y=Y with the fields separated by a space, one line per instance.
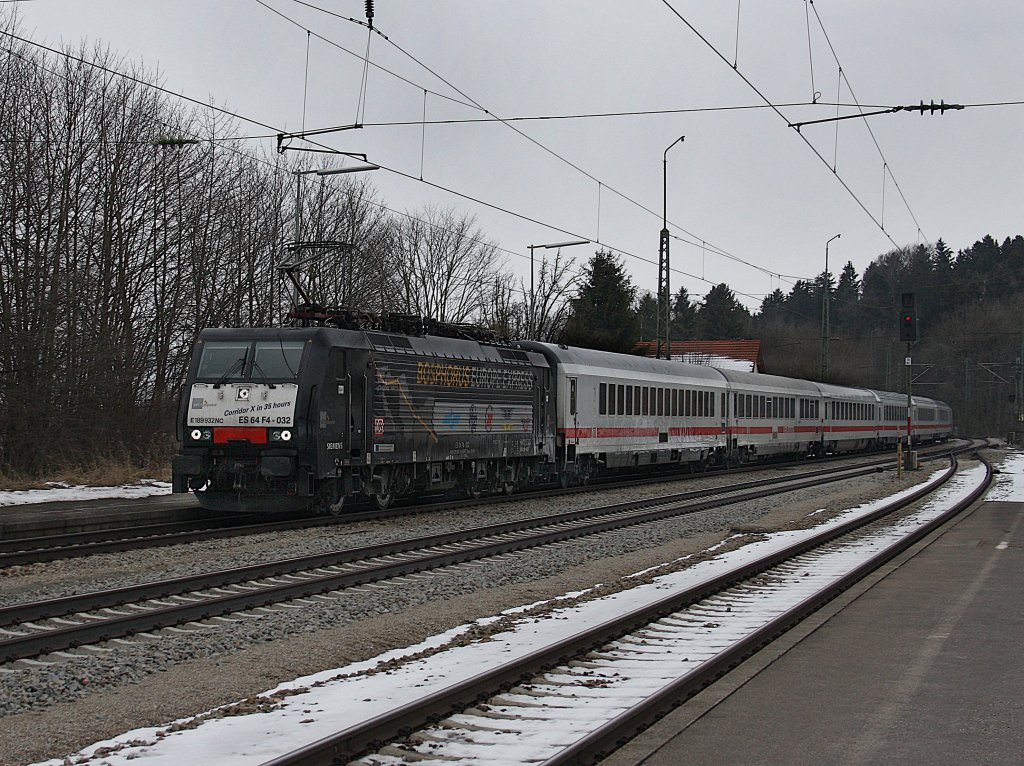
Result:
x=742 y=355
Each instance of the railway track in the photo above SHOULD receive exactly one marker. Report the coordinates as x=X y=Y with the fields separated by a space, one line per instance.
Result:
x=53 y=547
x=33 y=629
x=576 y=698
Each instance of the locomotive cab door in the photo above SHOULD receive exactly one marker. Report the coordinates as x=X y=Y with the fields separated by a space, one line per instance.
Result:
x=334 y=417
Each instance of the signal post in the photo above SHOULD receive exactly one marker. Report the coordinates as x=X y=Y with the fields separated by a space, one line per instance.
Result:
x=908 y=333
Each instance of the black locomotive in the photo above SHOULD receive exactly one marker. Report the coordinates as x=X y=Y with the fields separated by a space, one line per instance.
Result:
x=289 y=418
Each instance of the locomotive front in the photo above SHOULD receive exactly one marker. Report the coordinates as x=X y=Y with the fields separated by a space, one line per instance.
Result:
x=239 y=425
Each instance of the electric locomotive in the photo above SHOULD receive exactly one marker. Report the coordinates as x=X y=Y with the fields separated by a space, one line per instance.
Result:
x=293 y=418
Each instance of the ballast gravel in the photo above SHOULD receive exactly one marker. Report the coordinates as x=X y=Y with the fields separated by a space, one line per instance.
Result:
x=59 y=704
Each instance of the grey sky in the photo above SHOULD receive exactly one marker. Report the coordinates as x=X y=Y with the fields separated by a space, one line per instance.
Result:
x=743 y=181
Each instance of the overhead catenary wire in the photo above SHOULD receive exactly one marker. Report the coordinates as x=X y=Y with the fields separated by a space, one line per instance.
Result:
x=778 y=111
x=479 y=106
x=352 y=53
x=241 y=117
x=849 y=87
x=277 y=168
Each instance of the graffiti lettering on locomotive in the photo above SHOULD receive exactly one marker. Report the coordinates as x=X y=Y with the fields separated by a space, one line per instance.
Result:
x=463 y=376
x=453 y=417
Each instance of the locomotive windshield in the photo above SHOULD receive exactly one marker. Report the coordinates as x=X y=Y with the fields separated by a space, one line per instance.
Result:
x=225 y=361
x=277 y=359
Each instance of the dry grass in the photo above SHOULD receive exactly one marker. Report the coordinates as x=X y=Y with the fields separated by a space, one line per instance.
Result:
x=102 y=472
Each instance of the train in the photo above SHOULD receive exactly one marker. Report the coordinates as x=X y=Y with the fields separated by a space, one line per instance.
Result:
x=309 y=418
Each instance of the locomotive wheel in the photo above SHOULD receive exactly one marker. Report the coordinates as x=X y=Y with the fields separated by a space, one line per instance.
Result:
x=385 y=501
x=508 y=487
x=335 y=509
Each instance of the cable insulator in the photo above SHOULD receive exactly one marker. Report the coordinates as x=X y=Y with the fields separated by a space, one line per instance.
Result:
x=369 y=12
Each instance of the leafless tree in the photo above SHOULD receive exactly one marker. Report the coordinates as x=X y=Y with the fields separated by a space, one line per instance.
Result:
x=442 y=264
x=555 y=284
x=350 y=268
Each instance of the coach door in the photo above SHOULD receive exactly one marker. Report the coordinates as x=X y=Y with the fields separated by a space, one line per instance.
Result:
x=572 y=441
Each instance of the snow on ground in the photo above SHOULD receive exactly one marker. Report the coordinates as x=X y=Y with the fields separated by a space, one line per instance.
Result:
x=59 y=492
x=1009 y=482
x=316 y=706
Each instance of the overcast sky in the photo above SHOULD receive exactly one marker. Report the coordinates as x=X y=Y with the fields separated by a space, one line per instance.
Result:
x=743 y=181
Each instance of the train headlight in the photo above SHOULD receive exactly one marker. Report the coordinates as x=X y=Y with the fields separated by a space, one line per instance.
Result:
x=281 y=435
x=201 y=434
x=286 y=436
x=196 y=434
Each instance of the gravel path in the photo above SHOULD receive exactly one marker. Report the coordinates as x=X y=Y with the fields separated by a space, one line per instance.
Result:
x=46 y=711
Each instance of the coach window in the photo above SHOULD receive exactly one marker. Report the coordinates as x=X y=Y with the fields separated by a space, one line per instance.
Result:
x=629 y=400
x=622 y=400
x=675 y=402
x=602 y=401
x=647 y=399
x=661 y=401
x=636 y=400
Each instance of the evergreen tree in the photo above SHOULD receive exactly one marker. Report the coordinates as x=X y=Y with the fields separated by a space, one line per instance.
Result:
x=647 y=317
x=803 y=303
x=722 y=317
x=844 y=300
x=603 y=316
x=773 y=306
x=684 y=316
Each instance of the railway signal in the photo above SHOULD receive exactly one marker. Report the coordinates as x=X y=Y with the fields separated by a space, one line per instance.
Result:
x=908 y=319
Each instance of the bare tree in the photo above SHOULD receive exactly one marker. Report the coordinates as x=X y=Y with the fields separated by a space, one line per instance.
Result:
x=556 y=282
x=503 y=310
x=442 y=264
x=353 y=271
